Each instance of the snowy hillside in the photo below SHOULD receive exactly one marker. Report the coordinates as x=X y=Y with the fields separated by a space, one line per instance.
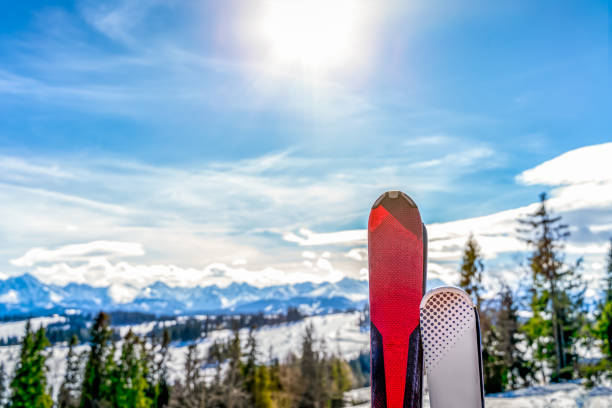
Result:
x=569 y=395
x=339 y=332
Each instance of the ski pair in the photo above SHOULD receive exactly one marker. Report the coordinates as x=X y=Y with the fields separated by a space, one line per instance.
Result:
x=404 y=322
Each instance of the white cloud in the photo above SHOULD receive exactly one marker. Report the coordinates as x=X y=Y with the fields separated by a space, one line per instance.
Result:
x=268 y=215
x=19 y=169
x=582 y=197
x=590 y=164
x=306 y=237
x=79 y=252
x=125 y=278
x=357 y=254
x=309 y=254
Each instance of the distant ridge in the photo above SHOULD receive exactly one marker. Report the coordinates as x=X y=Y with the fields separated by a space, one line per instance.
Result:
x=26 y=295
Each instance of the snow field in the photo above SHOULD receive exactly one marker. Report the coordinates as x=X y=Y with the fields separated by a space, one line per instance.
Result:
x=339 y=333
x=17 y=329
x=566 y=395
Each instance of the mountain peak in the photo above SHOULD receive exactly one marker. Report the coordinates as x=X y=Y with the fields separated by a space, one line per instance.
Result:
x=33 y=297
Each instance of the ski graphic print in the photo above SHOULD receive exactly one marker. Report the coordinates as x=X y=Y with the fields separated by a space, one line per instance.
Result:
x=451 y=343
x=397 y=268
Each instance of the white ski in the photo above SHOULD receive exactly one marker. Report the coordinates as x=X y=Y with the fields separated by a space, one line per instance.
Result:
x=451 y=344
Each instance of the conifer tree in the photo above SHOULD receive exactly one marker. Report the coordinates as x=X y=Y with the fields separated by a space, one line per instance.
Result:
x=29 y=385
x=111 y=378
x=609 y=274
x=471 y=270
x=69 y=393
x=126 y=379
x=159 y=389
x=517 y=371
x=608 y=306
x=234 y=394
x=603 y=325
x=131 y=370
x=3 y=386
x=191 y=392
x=215 y=392
x=96 y=376
x=470 y=280
x=341 y=381
x=263 y=396
x=556 y=293
x=250 y=367
x=312 y=376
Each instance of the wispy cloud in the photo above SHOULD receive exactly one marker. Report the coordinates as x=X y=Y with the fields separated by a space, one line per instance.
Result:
x=199 y=226
x=257 y=211
x=79 y=252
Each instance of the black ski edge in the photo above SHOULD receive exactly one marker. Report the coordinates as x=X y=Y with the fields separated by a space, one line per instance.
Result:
x=377 y=368
x=480 y=369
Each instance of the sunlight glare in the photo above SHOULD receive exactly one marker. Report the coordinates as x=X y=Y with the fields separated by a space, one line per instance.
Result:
x=316 y=34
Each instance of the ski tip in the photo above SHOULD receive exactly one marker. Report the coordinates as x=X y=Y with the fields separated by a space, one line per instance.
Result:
x=393 y=195
x=446 y=289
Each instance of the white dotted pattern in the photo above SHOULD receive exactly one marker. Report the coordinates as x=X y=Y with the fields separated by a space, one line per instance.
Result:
x=445 y=318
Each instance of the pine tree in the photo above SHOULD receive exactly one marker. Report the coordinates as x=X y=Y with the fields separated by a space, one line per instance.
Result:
x=96 y=378
x=603 y=325
x=608 y=307
x=216 y=356
x=250 y=367
x=470 y=280
x=340 y=381
x=159 y=390
x=128 y=384
x=29 y=385
x=556 y=293
x=609 y=274
x=263 y=396
x=111 y=378
x=517 y=369
x=190 y=393
x=471 y=270
x=312 y=376
x=3 y=386
x=234 y=394
x=69 y=393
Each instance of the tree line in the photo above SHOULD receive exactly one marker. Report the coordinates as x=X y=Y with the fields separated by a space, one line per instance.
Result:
x=548 y=343
x=133 y=373
x=190 y=329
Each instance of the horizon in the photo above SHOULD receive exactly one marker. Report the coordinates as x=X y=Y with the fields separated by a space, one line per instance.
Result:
x=182 y=143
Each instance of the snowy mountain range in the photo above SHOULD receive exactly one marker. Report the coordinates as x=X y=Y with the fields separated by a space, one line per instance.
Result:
x=26 y=295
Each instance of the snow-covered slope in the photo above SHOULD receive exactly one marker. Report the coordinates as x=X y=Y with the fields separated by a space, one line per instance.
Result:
x=340 y=333
x=568 y=395
x=16 y=329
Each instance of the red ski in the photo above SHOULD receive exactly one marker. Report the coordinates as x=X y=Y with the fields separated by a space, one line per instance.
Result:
x=397 y=248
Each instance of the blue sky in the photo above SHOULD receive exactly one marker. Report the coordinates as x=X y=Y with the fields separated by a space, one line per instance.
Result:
x=182 y=120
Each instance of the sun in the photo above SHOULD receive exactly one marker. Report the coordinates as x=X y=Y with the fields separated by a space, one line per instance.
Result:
x=316 y=35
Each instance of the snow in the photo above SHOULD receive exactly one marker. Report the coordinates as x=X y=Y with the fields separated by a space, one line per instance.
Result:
x=17 y=329
x=339 y=332
x=341 y=335
x=565 y=395
x=9 y=297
